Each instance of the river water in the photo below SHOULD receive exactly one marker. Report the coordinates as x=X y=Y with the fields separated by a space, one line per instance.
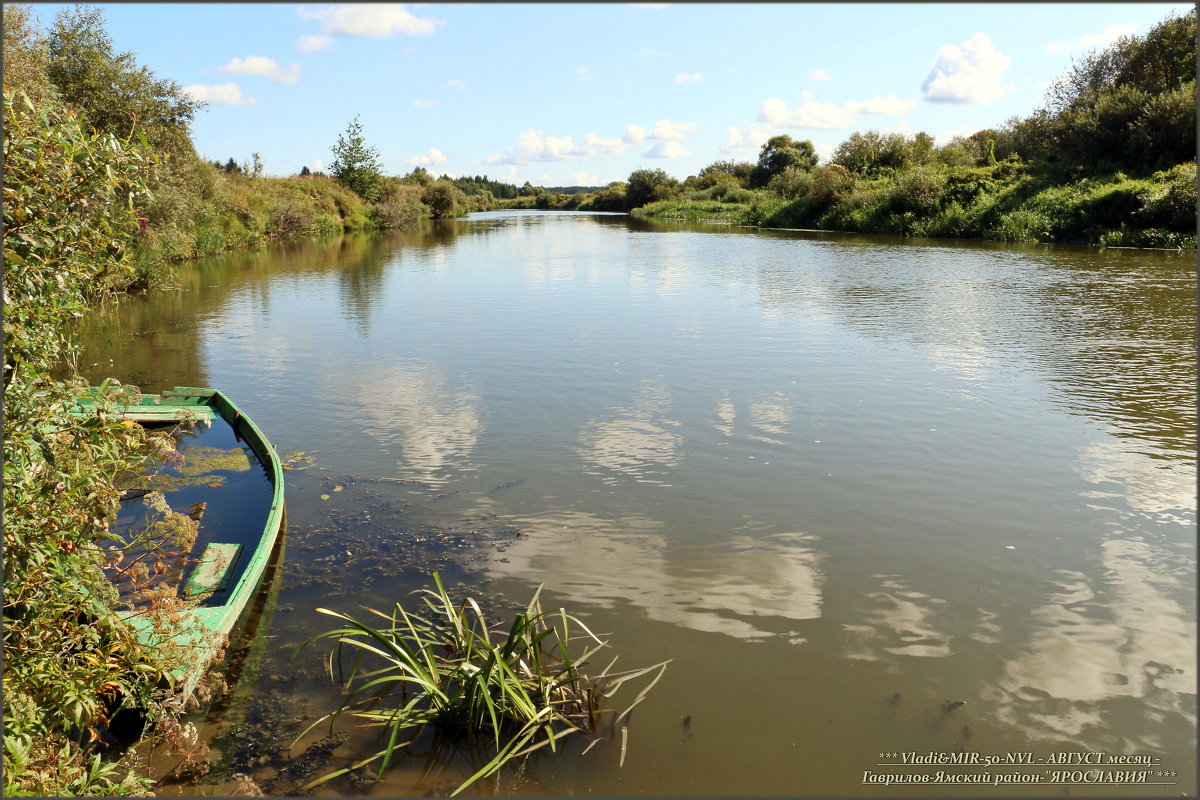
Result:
x=870 y=496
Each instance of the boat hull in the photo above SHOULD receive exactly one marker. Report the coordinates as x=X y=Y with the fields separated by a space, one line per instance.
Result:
x=205 y=630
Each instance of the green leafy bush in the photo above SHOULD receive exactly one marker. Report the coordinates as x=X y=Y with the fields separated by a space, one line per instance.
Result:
x=70 y=661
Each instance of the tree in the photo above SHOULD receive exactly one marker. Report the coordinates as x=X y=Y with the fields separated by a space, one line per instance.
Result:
x=116 y=95
x=231 y=166
x=305 y=171
x=738 y=169
x=356 y=164
x=779 y=153
x=1162 y=60
x=419 y=176
x=647 y=186
x=25 y=56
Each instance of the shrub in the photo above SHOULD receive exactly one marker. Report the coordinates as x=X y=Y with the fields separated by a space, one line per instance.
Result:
x=444 y=200
x=1022 y=225
x=1170 y=200
x=917 y=191
x=69 y=659
x=290 y=219
x=791 y=183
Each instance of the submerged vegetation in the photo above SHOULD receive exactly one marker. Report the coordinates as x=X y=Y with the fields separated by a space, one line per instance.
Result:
x=445 y=667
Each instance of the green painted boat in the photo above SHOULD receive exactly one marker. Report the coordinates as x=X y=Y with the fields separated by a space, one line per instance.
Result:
x=206 y=629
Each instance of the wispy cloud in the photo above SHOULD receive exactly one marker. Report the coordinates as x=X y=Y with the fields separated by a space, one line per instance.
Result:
x=684 y=77
x=881 y=106
x=433 y=157
x=819 y=75
x=424 y=103
x=581 y=73
x=374 y=20
x=1089 y=40
x=309 y=44
x=261 y=65
x=224 y=94
x=970 y=74
x=584 y=179
x=459 y=85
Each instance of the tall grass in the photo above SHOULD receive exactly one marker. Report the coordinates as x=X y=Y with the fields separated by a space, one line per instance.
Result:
x=445 y=666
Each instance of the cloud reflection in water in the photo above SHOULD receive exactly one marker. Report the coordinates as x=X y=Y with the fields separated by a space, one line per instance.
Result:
x=747 y=587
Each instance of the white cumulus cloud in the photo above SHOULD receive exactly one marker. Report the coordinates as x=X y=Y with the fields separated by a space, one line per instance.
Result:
x=753 y=138
x=308 y=43
x=375 y=20
x=584 y=179
x=535 y=146
x=684 y=77
x=672 y=131
x=224 y=94
x=1089 y=40
x=261 y=65
x=968 y=74
x=665 y=149
x=663 y=139
x=434 y=156
x=819 y=75
x=812 y=114
x=881 y=106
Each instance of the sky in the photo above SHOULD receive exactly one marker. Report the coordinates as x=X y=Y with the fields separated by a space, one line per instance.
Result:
x=583 y=94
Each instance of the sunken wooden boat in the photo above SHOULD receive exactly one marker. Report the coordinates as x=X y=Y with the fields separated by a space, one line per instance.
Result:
x=226 y=573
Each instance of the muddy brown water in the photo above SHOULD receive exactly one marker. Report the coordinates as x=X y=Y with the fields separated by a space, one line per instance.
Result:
x=873 y=497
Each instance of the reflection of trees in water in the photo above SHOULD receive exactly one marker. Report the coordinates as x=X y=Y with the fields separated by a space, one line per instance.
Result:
x=155 y=340
x=150 y=342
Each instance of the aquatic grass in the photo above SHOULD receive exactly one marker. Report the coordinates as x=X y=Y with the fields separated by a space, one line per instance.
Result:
x=447 y=667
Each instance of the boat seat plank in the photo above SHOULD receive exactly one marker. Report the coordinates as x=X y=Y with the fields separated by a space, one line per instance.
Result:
x=215 y=567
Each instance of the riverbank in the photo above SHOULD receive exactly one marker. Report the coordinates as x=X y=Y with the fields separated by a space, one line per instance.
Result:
x=234 y=210
x=1004 y=202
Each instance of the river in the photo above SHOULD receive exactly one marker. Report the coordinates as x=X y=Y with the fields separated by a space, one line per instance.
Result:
x=871 y=496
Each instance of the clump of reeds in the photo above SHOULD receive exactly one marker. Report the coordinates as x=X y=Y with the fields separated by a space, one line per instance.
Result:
x=446 y=666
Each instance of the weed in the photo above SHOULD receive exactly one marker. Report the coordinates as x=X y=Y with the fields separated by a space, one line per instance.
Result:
x=445 y=666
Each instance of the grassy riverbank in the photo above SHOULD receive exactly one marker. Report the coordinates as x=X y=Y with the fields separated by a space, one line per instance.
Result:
x=1008 y=202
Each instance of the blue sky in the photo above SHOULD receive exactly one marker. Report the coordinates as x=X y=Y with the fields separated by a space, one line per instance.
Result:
x=560 y=94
